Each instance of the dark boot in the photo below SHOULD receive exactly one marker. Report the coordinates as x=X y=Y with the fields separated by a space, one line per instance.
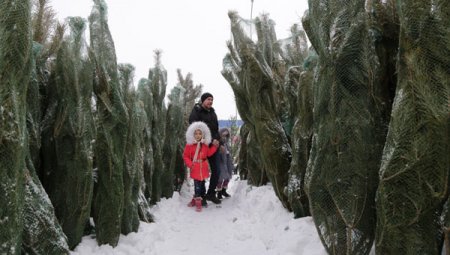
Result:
x=224 y=193
x=219 y=194
x=212 y=197
x=204 y=204
x=198 y=204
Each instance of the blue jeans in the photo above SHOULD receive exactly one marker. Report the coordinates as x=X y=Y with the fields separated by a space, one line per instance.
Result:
x=199 y=188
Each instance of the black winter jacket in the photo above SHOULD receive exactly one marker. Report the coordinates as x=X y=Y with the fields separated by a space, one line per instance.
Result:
x=208 y=116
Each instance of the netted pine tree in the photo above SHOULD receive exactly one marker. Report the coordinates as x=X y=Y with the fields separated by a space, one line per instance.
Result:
x=158 y=82
x=242 y=153
x=15 y=70
x=172 y=140
x=143 y=91
x=69 y=132
x=112 y=126
x=298 y=119
x=252 y=70
x=37 y=203
x=190 y=94
x=42 y=232
x=446 y=227
x=414 y=173
x=133 y=159
x=342 y=172
x=145 y=95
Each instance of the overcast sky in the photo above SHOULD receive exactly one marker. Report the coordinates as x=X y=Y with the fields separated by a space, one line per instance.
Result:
x=191 y=34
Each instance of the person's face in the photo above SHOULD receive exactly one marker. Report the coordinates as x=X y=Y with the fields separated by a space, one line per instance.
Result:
x=208 y=103
x=224 y=135
x=198 y=135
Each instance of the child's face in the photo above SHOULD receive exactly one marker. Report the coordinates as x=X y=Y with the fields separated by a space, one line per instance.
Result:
x=198 y=135
x=223 y=136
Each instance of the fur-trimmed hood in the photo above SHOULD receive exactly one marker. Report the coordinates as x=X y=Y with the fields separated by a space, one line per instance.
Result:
x=190 y=139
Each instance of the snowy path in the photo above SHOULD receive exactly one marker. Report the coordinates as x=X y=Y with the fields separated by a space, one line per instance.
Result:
x=252 y=221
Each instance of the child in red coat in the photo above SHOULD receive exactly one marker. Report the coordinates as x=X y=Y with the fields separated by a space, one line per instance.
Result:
x=196 y=152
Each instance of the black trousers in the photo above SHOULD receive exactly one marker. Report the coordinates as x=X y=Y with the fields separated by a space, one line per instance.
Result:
x=214 y=178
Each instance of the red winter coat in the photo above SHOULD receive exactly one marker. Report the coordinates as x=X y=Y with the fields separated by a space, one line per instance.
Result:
x=199 y=169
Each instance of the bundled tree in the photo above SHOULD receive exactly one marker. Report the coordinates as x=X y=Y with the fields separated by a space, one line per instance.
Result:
x=45 y=235
x=256 y=173
x=37 y=203
x=298 y=95
x=158 y=82
x=43 y=21
x=68 y=131
x=145 y=95
x=341 y=177
x=172 y=141
x=15 y=68
x=253 y=72
x=414 y=173
x=111 y=130
x=446 y=226
x=190 y=94
x=242 y=155
x=45 y=45
x=133 y=159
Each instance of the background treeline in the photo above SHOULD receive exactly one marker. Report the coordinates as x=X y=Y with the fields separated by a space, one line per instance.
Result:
x=353 y=130
x=78 y=140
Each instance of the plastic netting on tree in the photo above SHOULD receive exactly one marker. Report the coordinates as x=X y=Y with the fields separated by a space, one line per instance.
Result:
x=446 y=227
x=133 y=161
x=174 y=137
x=254 y=67
x=68 y=131
x=112 y=129
x=38 y=206
x=15 y=69
x=37 y=203
x=298 y=119
x=415 y=167
x=145 y=95
x=348 y=138
x=158 y=82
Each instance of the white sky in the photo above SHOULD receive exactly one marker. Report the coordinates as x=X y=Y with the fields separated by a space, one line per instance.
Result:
x=191 y=34
x=252 y=221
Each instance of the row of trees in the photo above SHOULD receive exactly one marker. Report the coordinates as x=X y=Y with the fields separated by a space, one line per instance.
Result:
x=355 y=129
x=78 y=140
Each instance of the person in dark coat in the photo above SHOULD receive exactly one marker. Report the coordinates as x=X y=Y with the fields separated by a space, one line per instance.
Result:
x=203 y=111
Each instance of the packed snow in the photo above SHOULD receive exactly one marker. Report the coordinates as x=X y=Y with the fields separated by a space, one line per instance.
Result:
x=251 y=221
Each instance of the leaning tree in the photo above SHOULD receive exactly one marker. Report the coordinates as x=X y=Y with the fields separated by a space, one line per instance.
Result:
x=252 y=70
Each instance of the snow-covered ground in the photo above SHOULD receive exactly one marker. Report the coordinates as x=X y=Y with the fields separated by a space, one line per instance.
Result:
x=252 y=221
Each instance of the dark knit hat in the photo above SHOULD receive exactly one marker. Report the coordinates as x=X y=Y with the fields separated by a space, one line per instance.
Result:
x=205 y=96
